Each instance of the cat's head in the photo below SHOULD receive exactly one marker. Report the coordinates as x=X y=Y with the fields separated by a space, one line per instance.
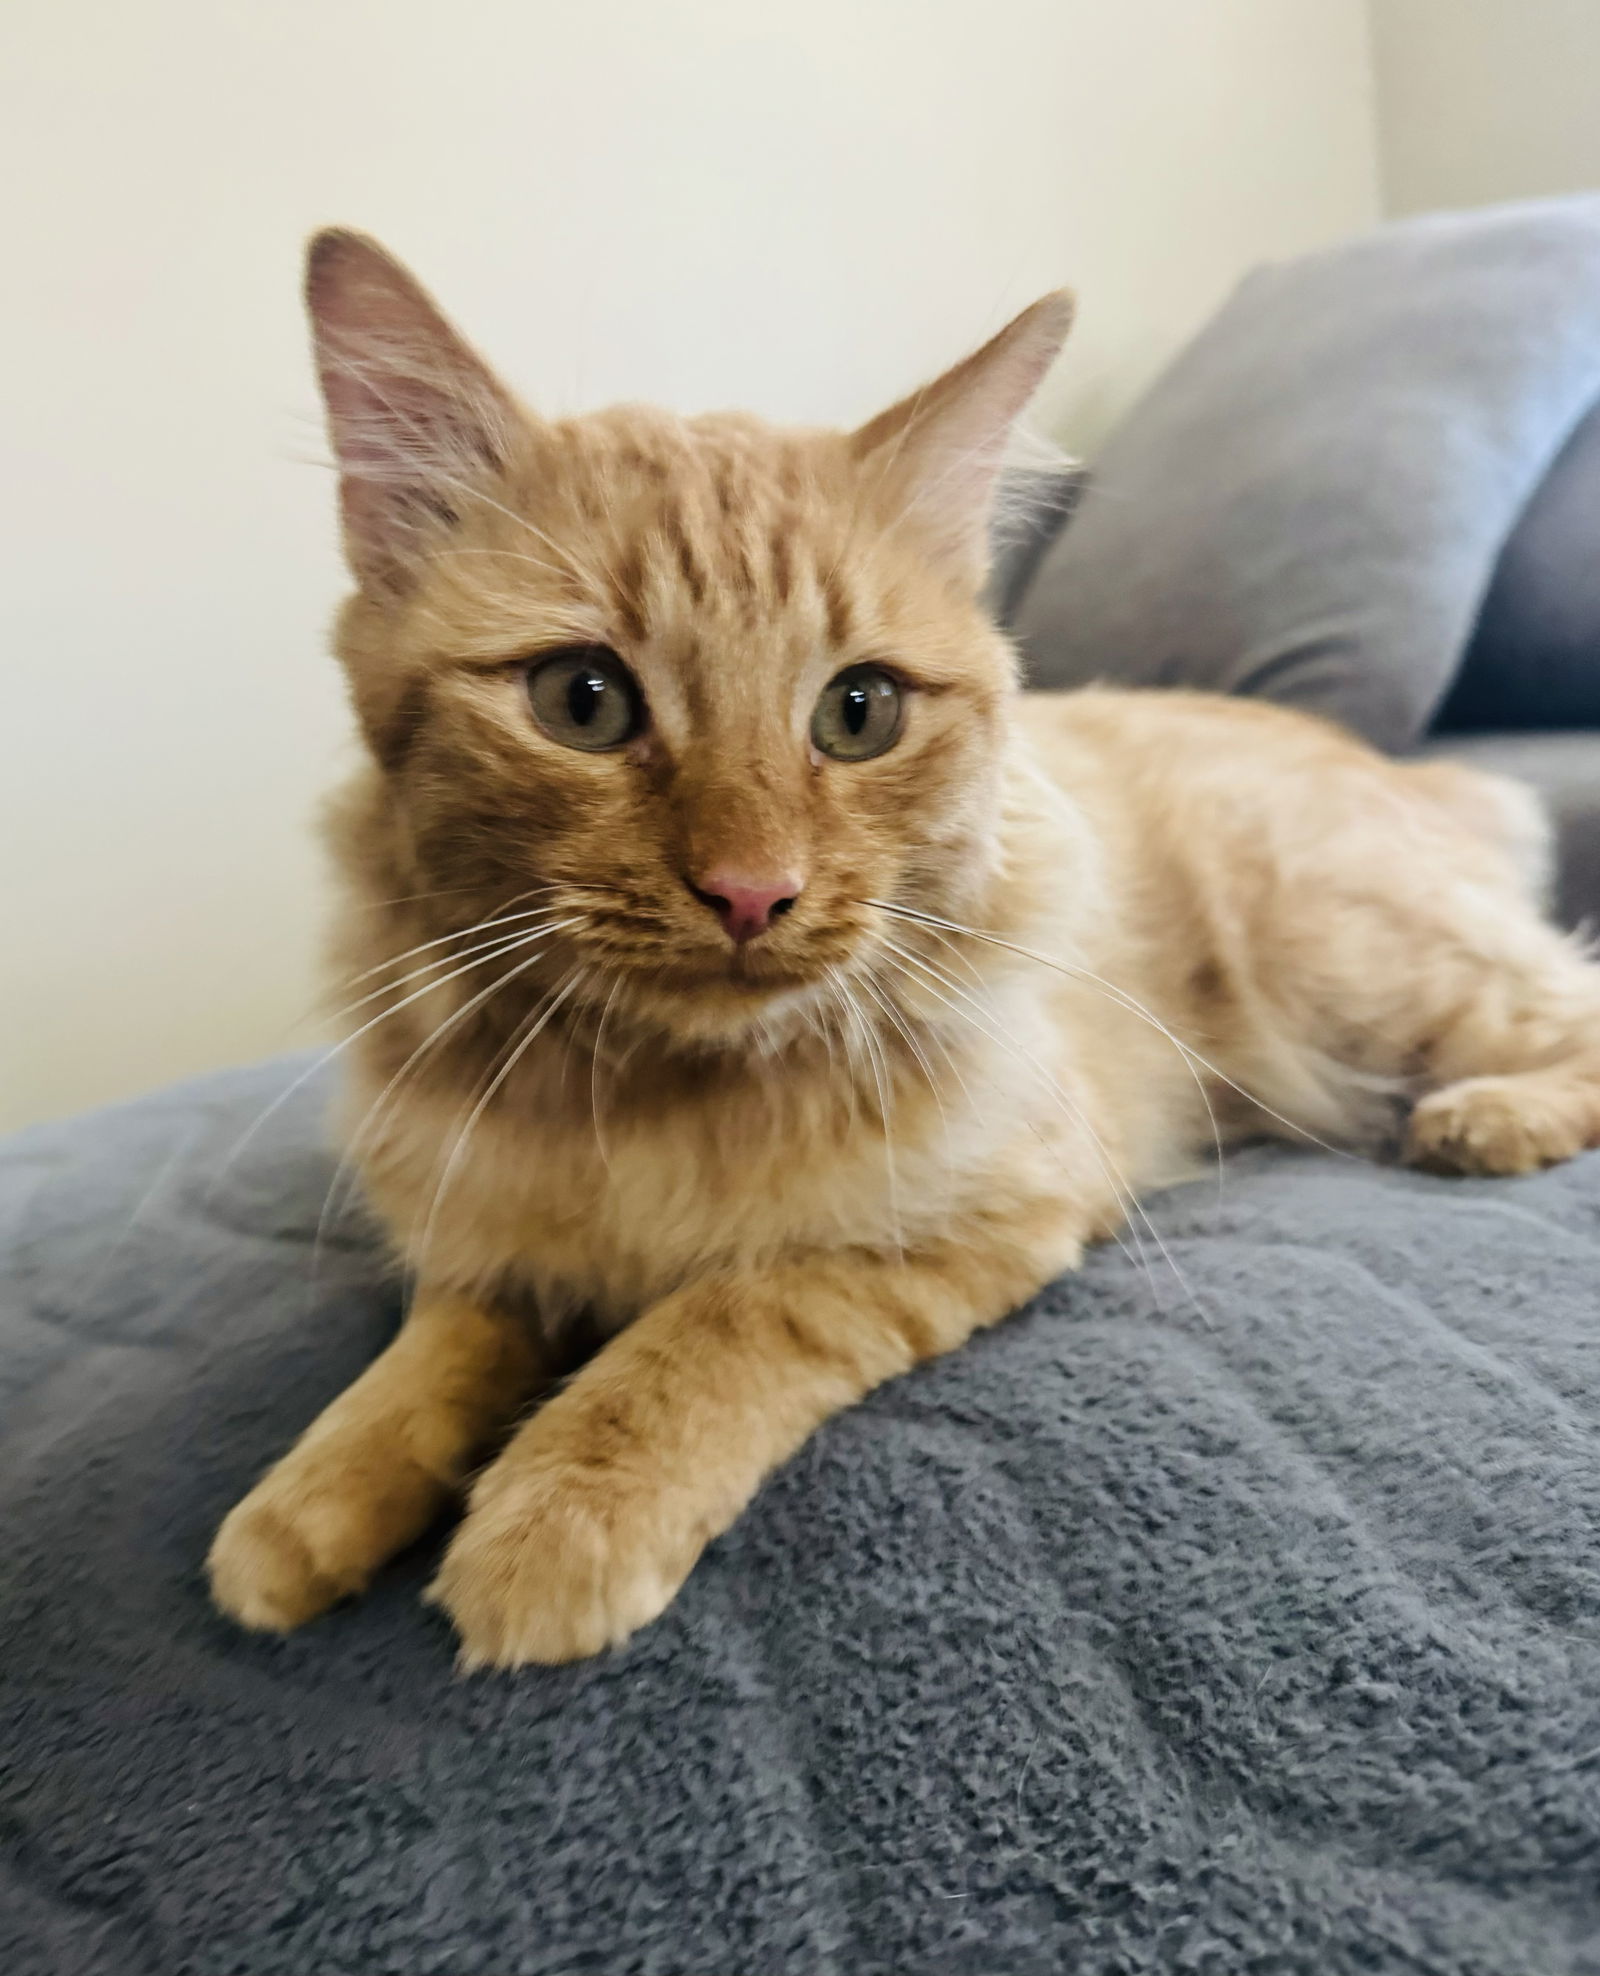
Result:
x=697 y=688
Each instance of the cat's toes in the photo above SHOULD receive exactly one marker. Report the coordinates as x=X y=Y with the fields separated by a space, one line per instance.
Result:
x=557 y=1565
x=313 y=1531
x=1491 y=1125
x=264 y=1573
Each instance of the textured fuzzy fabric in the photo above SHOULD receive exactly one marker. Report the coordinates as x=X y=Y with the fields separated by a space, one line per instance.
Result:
x=1257 y=1631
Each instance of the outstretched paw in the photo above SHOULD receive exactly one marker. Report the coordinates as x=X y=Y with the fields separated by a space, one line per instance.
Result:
x=312 y=1532
x=556 y=1562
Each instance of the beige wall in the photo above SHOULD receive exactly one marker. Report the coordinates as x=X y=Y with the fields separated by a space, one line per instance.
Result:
x=799 y=206
x=1480 y=100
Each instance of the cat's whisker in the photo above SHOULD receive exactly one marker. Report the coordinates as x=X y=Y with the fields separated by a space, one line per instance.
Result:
x=338 y=1015
x=888 y=458
x=541 y=1020
x=344 y=1172
x=594 y=1074
x=923 y=974
x=1122 y=1191
x=501 y=916
x=830 y=1017
x=1128 y=1200
x=1108 y=989
x=948 y=943
x=450 y=552
x=408 y=898
x=885 y=1110
x=1128 y=1205
x=576 y=568
x=1126 y=1001
x=883 y=995
x=339 y=1048
x=928 y=972
x=485 y=950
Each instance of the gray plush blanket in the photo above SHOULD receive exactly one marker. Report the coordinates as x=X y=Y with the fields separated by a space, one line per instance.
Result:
x=1253 y=1628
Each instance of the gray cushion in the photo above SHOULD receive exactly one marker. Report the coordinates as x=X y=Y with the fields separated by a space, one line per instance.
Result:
x=1308 y=505
x=1247 y=1626
x=1534 y=660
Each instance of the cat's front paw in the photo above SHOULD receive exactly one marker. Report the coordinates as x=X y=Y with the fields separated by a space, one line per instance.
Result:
x=555 y=1562
x=315 y=1528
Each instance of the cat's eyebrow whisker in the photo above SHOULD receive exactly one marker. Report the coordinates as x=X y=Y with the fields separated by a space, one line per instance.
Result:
x=345 y=1170
x=927 y=488
x=451 y=551
x=865 y=495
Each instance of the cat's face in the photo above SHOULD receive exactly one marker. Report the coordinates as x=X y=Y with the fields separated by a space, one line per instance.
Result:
x=699 y=690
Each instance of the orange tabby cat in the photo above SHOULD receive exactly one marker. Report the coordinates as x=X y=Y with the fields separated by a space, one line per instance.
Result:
x=737 y=958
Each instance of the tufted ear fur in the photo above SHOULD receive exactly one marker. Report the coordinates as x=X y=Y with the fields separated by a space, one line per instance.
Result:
x=937 y=454
x=415 y=416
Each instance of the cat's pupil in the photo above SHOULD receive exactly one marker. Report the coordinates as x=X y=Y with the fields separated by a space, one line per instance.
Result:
x=855 y=708
x=584 y=694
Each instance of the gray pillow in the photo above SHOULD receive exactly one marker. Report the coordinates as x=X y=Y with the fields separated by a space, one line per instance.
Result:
x=1308 y=504
x=1534 y=659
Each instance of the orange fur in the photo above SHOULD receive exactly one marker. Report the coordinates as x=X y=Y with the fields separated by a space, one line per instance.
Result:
x=778 y=1173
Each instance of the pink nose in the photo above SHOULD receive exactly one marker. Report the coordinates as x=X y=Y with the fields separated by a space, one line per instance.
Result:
x=746 y=906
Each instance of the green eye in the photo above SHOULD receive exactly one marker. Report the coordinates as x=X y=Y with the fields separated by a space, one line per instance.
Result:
x=585 y=698
x=859 y=715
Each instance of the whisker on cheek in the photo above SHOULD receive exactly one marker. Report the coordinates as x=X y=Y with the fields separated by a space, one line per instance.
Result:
x=345 y=1173
x=532 y=1028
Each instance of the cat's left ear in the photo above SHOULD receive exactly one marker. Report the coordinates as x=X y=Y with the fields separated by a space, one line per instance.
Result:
x=938 y=453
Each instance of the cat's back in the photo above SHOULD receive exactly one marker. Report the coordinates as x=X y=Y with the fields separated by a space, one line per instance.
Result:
x=1209 y=777
x=1159 y=732
x=1210 y=781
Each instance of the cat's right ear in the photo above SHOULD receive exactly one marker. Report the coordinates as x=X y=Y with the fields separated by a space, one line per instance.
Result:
x=416 y=418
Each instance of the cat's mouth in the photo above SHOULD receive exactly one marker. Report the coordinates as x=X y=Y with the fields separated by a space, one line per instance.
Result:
x=725 y=978
x=741 y=970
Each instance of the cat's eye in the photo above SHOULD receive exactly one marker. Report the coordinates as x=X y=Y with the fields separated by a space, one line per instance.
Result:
x=585 y=698
x=859 y=715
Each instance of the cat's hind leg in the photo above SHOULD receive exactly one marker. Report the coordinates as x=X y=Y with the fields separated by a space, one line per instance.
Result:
x=1417 y=923
x=1514 y=1123
x=1517 y=1073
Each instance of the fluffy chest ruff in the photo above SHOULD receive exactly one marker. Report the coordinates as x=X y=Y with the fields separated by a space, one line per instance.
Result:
x=602 y=1181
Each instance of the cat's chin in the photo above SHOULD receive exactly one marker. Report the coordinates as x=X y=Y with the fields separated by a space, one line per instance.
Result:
x=730 y=1009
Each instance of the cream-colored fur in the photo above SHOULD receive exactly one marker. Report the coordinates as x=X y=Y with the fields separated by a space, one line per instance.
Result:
x=1044 y=951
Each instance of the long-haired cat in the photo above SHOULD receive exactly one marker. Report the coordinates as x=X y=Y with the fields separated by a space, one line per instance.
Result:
x=736 y=959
